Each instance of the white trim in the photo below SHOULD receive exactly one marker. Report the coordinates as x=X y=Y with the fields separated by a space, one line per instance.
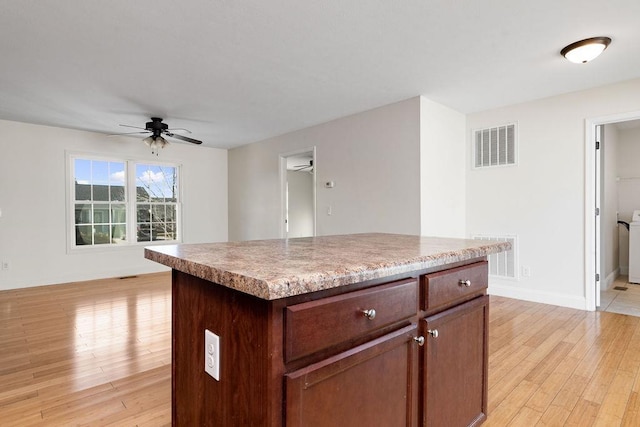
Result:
x=130 y=164
x=590 y=198
x=283 y=186
x=562 y=300
x=606 y=284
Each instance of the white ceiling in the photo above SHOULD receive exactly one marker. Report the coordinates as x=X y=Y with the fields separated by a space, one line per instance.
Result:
x=239 y=71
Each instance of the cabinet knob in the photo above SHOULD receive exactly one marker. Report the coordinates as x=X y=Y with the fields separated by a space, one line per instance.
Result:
x=433 y=332
x=419 y=340
x=369 y=314
x=466 y=283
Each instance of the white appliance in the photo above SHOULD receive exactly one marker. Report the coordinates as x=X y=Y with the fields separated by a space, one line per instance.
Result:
x=634 y=248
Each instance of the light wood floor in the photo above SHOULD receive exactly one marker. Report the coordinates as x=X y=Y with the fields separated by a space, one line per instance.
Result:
x=90 y=353
x=98 y=353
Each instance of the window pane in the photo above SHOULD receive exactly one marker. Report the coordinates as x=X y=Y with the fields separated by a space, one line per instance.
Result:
x=144 y=232
x=83 y=213
x=159 y=182
x=101 y=214
x=117 y=193
x=119 y=233
x=117 y=181
x=118 y=213
x=99 y=172
x=83 y=235
x=100 y=193
x=82 y=171
x=171 y=213
x=102 y=235
x=169 y=231
x=143 y=213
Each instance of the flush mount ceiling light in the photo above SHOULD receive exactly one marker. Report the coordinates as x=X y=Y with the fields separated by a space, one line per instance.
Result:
x=585 y=50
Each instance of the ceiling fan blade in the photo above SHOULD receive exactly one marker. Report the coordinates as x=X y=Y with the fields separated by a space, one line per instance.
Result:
x=128 y=133
x=183 y=138
x=180 y=129
x=135 y=127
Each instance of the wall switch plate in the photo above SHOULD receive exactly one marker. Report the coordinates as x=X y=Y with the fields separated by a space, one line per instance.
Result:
x=212 y=354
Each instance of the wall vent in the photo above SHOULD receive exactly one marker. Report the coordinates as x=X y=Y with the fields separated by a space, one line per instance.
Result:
x=495 y=146
x=502 y=264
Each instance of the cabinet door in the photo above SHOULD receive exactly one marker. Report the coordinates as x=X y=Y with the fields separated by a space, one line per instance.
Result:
x=372 y=384
x=455 y=365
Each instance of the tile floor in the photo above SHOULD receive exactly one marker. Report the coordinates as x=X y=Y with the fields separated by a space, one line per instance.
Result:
x=619 y=301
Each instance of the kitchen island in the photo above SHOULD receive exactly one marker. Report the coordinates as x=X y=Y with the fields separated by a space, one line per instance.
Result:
x=364 y=329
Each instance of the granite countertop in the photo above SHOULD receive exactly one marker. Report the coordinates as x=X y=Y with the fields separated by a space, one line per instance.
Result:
x=280 y=268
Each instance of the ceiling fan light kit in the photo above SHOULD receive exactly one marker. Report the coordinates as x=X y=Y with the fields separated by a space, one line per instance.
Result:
x=585 y=50
x=155 y=142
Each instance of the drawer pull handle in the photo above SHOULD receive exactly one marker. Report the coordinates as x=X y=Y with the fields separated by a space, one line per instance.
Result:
x=369 y=314
x=433 y=333
x=466 y=283
x=419 y=340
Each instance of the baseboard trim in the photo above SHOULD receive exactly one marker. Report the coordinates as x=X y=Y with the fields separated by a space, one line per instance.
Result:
x=561 y=300
x=606 y=285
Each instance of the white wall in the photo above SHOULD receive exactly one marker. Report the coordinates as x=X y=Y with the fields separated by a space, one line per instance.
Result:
x=442 y=170
x=628 y=187
x=542 y=199
x=609 y=252
x=300 y=210
x=373 y=158
x=32 y=198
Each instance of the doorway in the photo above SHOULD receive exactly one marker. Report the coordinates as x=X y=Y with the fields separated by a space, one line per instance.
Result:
x=608 y=172
x=298 y=193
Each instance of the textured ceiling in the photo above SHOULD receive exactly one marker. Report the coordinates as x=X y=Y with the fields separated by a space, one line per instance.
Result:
x=239 y=71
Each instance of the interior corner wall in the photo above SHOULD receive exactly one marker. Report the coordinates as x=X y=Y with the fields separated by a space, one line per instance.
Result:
x=442 y=171
x=33 y=227
x=609 y=247
x=542 y=199
x=372 y=157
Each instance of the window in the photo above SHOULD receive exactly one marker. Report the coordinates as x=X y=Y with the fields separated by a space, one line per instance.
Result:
x=119 y=202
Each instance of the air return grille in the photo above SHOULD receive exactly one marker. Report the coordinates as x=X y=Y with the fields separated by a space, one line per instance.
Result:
x=502 y=264
x=495 y=146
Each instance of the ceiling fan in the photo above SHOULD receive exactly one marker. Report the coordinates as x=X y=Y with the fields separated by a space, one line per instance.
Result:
x=307 y=167
x=158 y=129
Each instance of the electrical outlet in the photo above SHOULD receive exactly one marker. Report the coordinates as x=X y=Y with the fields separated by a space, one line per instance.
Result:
x=5 y=265
x=212 y=354
x=526 y=271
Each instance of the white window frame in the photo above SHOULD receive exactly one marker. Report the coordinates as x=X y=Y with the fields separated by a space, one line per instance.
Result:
x=130 y=202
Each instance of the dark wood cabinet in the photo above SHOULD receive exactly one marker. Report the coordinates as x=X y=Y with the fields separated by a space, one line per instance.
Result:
x=340 y=357
x=455 y=365
x=374 y=384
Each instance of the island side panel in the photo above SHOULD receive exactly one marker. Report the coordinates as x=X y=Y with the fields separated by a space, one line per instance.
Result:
x=247 y=393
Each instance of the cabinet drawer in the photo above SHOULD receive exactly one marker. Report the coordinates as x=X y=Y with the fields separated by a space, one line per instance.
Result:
x=315 y=325
x=445 y=288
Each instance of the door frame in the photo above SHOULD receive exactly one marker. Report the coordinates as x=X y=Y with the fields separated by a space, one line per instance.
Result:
x=591 y=250
x=283 y=187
